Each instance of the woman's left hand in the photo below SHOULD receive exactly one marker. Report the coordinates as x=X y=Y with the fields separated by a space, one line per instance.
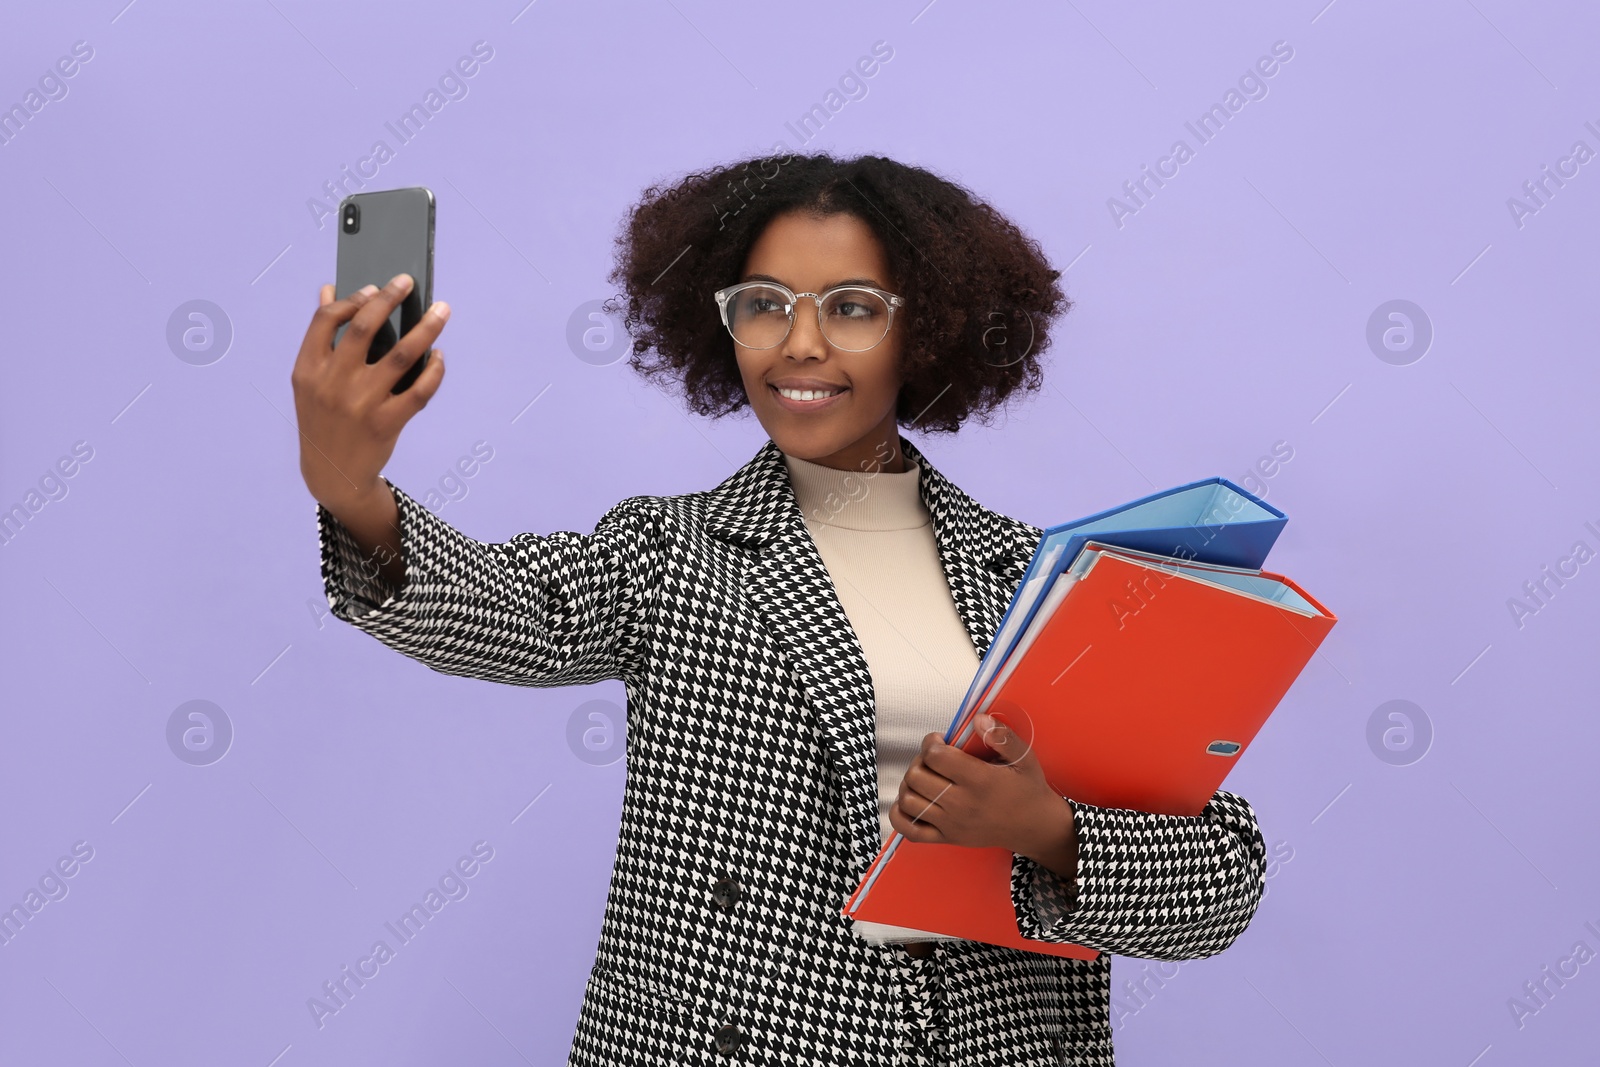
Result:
x=952 y=797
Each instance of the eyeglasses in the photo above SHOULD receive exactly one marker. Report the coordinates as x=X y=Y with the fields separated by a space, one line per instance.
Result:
x=853 y=318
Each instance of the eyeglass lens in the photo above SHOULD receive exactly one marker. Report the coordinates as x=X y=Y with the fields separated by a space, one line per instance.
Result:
x=852 y=319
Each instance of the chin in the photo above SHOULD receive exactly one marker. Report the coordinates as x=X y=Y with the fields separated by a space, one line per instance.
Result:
x=811 y=445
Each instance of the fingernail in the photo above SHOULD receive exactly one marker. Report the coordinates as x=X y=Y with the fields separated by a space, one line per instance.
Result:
x=401 y=281
x=441 y=309
x=368 y=290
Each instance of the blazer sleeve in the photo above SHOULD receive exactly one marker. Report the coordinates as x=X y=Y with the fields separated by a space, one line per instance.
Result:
x=540 y=610
x=1161 y=887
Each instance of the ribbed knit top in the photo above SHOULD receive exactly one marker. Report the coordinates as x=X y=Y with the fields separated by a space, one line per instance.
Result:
x=875 y=536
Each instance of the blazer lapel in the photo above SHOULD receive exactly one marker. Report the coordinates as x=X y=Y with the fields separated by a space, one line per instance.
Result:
x=983 y=553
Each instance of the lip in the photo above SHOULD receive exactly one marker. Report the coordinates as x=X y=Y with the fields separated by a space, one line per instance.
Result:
x=806 y=406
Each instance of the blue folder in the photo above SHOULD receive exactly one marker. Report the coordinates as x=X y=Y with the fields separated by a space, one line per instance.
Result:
x=1211 y=521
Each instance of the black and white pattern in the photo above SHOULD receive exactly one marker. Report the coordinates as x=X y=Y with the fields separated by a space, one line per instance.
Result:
x=750 y=809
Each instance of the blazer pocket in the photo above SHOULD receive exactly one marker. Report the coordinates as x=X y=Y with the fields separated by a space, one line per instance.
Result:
x=642 y=994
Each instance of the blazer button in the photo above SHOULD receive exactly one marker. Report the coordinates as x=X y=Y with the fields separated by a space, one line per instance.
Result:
x=729 y=1037
x=724 y=893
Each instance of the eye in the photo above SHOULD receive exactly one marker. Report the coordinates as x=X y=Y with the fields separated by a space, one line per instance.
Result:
x=860 y=306
x=760 y=301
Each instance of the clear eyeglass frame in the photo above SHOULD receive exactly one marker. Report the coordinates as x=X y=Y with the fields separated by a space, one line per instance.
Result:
x=722 y=297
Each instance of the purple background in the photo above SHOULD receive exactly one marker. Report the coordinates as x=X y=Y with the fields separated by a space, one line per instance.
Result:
x=1418 y=884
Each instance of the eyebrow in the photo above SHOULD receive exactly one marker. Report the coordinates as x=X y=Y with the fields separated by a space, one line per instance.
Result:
x=847 y=281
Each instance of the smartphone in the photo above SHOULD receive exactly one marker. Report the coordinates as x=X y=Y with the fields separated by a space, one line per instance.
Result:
x=382 y=234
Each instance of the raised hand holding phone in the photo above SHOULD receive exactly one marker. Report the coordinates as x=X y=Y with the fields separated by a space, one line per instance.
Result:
x=350 y=418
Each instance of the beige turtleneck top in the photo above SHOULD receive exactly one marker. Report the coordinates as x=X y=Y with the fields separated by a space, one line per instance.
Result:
x=875 y=536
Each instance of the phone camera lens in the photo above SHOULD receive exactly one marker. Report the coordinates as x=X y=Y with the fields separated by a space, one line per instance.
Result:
x=352 y=218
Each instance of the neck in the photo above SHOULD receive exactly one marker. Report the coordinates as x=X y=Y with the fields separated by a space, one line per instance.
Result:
x=876 y=451
x=858 y=499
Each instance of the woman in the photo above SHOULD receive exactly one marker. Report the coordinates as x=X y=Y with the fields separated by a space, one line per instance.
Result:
x=794 y=641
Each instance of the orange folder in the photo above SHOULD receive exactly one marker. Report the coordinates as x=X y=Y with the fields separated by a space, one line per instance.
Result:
x=1138 y=684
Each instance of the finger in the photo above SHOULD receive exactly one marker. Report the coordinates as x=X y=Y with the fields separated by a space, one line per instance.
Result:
x=992 y=730
x=911 y=828
x=325 y=297
x=953 y=763
x=920 y=832
x=899 y=824
x=357 y=338
x=919 y=804
x=416 y=398
x=1009 y=748
x=393 y=366
x=925 y=780
x=330 y=316
x=939 y=795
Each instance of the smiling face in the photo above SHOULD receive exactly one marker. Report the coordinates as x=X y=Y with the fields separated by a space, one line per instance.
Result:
x=855 y=429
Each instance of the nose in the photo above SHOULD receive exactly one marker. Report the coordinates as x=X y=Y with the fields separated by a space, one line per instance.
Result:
x=805 y=340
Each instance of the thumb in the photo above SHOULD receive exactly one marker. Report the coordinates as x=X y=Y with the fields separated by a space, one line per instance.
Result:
x=1011 y=750
x=996 y=734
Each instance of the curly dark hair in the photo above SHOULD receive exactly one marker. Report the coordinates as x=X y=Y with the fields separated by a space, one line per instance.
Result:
x=980 y=293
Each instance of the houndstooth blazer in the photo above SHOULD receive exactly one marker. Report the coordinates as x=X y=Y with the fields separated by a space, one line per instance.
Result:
x=750 y=808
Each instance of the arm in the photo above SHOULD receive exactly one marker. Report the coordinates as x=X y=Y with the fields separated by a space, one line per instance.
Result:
x=539 y=610
x=1164 y=887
